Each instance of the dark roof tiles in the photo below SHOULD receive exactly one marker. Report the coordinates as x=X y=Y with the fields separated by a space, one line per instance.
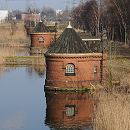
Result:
x=68 y=42
x=40 y=27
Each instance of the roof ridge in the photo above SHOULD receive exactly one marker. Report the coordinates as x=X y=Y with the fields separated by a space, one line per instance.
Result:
x=41 y=27
x=69 y=42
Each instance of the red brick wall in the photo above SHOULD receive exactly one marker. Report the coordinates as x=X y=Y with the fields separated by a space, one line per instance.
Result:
x=56 y=110
x=48 y=38
x=84 y=69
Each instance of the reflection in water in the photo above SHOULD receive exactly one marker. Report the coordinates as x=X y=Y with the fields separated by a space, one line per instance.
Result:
x=31 y=70
x=14 y=51
x=4 y=69
x=69 y=110
x=15 y=122
x=22 y=101
x=40 y=70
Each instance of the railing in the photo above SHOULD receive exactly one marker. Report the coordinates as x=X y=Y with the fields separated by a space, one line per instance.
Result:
x=97 y=39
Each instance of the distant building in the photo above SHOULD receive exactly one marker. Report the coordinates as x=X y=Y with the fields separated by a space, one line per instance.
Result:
x=3 y=15
x=59 y=12
x=31 y=17
x=30 y=20
x=70 y=64
x=42 y=36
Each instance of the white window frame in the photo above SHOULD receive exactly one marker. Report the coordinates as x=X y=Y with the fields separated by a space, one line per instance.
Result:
x=70 y=69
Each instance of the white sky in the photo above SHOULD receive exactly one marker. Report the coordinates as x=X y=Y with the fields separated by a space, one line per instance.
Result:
x=23 y=4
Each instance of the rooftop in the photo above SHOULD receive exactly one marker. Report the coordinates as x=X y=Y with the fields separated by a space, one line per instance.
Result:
x=68 y=42
x=41 y=27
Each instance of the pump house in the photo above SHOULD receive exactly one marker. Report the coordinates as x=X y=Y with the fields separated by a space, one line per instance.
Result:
x=70 y=65
x=42 y=36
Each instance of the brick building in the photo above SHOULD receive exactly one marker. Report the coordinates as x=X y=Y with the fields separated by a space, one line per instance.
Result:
x=30 y=16
x=70 y=64
x=71 y=110
x=42 y=36
x=30 y=20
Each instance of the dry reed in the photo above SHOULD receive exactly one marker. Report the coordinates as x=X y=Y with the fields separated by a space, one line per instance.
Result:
x=112 y=102
x=17 y=39
x=112 y=111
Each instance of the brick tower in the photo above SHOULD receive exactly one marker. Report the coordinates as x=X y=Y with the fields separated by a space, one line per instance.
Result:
x=71 y=65
x=42 y=36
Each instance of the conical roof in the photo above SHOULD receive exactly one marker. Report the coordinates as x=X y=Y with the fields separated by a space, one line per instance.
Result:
x=40 y=27
x=68 y=42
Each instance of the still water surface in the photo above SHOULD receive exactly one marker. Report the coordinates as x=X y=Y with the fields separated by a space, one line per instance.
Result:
x=25 y=106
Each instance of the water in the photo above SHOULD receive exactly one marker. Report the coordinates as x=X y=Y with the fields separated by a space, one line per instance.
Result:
x=22 y=101
x=25 y=106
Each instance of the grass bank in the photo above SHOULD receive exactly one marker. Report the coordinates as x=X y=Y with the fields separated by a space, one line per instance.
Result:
x=33 y=62
x=23 y=60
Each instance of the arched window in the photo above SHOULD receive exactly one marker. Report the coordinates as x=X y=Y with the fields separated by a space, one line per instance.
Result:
x=70 y=70
x=41 y=39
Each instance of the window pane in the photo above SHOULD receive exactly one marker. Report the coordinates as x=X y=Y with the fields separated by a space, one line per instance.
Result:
x=41 y=40
x=70 y=68
x=70 y=111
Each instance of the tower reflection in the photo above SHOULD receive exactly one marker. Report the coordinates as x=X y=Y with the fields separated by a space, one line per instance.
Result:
x=69 y=110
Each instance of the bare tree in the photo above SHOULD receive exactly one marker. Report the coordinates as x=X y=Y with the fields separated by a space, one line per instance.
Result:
x=86 y=16
x=48 y=13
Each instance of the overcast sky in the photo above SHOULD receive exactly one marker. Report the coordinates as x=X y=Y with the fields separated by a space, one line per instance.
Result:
x=23 y=4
